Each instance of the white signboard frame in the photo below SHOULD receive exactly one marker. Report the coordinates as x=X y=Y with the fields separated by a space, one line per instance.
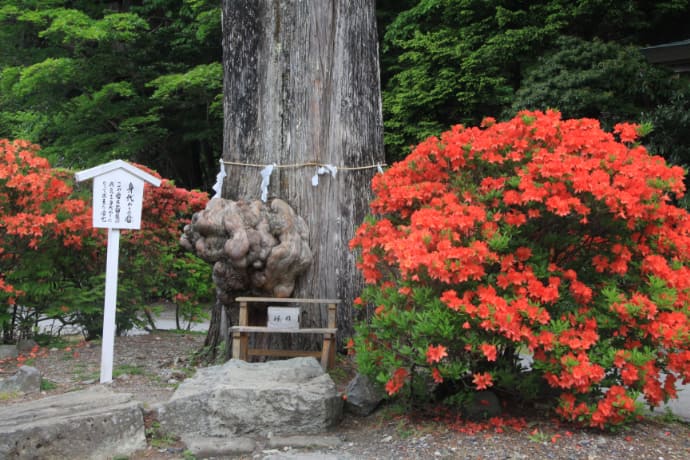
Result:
x=118 y=196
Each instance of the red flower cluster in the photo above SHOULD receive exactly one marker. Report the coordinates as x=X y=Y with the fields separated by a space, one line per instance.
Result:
x=397 y=381
x=40 y=212
x=436 y=353
x=37 y=205
x=538 y=233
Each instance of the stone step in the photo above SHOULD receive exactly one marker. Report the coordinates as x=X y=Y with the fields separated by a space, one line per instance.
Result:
x=90 y=424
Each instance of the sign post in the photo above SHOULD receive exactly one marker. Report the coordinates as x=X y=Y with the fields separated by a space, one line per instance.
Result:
x=118 y=195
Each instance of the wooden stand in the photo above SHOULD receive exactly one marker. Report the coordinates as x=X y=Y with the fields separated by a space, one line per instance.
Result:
x=240 y=333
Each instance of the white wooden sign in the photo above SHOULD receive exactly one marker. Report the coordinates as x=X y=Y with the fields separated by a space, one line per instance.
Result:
x=117 y=200
x=283 y=317
x=118 y=196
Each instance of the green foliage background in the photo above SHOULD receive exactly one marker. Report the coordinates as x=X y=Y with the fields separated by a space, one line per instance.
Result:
x=92 y=80
x=457 y=61
x=96 y=80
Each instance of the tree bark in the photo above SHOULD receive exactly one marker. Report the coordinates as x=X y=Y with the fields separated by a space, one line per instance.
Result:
x=302 y=86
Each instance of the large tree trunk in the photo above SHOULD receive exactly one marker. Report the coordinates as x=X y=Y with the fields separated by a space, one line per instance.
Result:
x=302 y=86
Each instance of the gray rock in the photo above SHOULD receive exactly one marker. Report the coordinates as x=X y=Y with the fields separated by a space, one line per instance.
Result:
x=26 y=380
x=484 y=405
x=89 y=424
x=363 y=397
x=8 y=351
x=293 y=396
x=26 y=345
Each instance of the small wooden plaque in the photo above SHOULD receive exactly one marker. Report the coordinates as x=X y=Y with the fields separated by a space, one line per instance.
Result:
x=283 y=317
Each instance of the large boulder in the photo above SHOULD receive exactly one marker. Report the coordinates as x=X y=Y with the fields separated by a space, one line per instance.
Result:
x=89 y=424
x=293 y=396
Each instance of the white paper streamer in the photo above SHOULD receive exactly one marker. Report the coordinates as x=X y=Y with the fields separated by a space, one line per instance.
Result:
x=325 y=169
x=332 y=169
x=218 y=186
x=265 y=181
x=380 y=169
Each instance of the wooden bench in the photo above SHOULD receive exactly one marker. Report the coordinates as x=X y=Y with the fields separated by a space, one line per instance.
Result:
x=240 y=333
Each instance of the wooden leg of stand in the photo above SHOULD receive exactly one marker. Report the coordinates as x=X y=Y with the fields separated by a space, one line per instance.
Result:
x=327 y=352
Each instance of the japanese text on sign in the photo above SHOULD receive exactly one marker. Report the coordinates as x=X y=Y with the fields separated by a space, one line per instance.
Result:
x=283 y=317
x=117 y=201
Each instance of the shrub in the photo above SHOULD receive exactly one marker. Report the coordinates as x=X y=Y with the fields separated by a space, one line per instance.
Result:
x=42 y=225
x=154 y=265
x=52 y=261
x=536 y=236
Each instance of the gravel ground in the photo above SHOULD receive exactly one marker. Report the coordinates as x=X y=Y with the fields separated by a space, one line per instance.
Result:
x=150 y=366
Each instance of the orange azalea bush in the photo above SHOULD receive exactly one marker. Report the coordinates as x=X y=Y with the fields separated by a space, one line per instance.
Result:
x=36 y=200
x=537 y=237
x=39 y=217
x=52 y=261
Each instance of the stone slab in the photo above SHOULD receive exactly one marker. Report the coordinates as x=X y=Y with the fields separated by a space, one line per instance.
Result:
x=301 y=442
x=205 y=447
x=287 y=397
x=308 y=456
x=90 y=424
